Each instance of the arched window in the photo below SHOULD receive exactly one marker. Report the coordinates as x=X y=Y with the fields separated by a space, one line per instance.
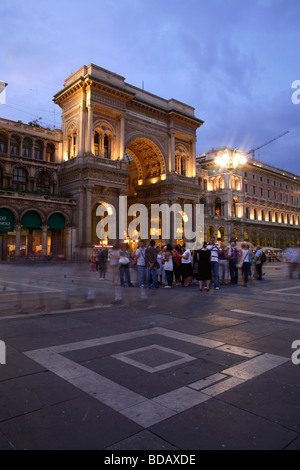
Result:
x=3 y=143
x=50 y=153
x=19 y=180
x=234 y=202
x=218 y=207
x=14 y=145
x=27 y=147
x=96 y=144
x=43 y=182
x=38 y=150
x=106 y=146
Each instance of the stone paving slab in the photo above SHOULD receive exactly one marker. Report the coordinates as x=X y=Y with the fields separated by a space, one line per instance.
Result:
x=183 y=370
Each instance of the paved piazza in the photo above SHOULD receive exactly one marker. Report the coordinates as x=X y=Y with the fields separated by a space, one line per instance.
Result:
x=137 y=407
x=166 y=369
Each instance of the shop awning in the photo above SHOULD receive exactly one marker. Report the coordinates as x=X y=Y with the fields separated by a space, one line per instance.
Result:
x=31 y=219
x=56 y=221
x=7 y=220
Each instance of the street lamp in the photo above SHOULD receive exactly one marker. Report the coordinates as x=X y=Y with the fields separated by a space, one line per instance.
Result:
x=231 y=159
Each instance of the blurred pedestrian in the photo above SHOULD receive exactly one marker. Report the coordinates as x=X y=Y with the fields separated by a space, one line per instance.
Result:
x=93 y=258
x=223 y=264
x=102 y=263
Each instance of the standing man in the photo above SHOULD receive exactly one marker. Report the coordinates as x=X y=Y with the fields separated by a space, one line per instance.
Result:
x=233 y=255
x=140 y=256
x=151 y=264
x=258 y=262
x=214 y=248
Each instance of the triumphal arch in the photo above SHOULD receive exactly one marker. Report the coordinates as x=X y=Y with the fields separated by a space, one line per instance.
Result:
x=119 y=140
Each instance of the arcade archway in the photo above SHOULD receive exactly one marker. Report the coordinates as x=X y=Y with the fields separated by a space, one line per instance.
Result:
x=146 y=163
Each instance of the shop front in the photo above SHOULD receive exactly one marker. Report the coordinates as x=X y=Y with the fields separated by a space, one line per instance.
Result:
x=7 y=234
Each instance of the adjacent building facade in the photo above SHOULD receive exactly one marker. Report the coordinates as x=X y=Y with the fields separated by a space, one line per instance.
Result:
x=253 y=202
x=118 y=140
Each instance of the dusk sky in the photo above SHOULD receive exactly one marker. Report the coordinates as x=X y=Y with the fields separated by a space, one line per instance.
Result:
x=234 y=61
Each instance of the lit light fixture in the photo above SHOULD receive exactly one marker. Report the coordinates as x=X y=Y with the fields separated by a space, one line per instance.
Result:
x=230 y=159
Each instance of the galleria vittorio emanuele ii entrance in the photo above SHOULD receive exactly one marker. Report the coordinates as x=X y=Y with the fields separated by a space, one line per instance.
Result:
x=119 y=140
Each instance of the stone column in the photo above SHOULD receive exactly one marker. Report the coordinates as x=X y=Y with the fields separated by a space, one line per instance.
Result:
x=88 y=218
x=89 y=129
x=172 y=151
x=18 y=239
x=21 y=146
x=44 y=239
x=122 y=137
x=69 y=243
x=44 y=151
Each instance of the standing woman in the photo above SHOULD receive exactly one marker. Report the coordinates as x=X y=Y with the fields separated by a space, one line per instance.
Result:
x=124 y=265
x=204 y=267
x=177 y=264
x=186 y=264
x=244 y=260
x=93 y=259
x=169 y=266
x=114 y=263
x=160 y=269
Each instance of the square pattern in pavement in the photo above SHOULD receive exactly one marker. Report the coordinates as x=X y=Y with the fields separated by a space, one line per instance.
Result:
x=152 y=359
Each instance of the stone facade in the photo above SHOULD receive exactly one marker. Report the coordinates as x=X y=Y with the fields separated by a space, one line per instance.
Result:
x=254 y=202
x=118 y=140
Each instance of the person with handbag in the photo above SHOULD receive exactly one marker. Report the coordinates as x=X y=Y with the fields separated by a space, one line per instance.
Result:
x=124 y=266
x=244 y=262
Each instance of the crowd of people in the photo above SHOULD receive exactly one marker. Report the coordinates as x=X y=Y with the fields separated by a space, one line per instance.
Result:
x=168 y=266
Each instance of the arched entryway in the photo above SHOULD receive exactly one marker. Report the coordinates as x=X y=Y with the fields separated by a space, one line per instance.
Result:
x=31 y=234
x=146 y=163
x=7 y=234
x=56 y=235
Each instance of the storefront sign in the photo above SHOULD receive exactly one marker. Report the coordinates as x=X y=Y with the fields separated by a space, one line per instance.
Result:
x=7 y=221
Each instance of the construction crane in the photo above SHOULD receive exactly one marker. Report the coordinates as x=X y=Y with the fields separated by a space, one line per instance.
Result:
x=263 y=145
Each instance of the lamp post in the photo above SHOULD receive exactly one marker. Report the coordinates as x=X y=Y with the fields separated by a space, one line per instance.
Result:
x=230 y=159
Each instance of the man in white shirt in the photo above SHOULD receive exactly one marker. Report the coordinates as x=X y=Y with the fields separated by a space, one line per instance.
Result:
x=141 y=263
x=214 y=259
